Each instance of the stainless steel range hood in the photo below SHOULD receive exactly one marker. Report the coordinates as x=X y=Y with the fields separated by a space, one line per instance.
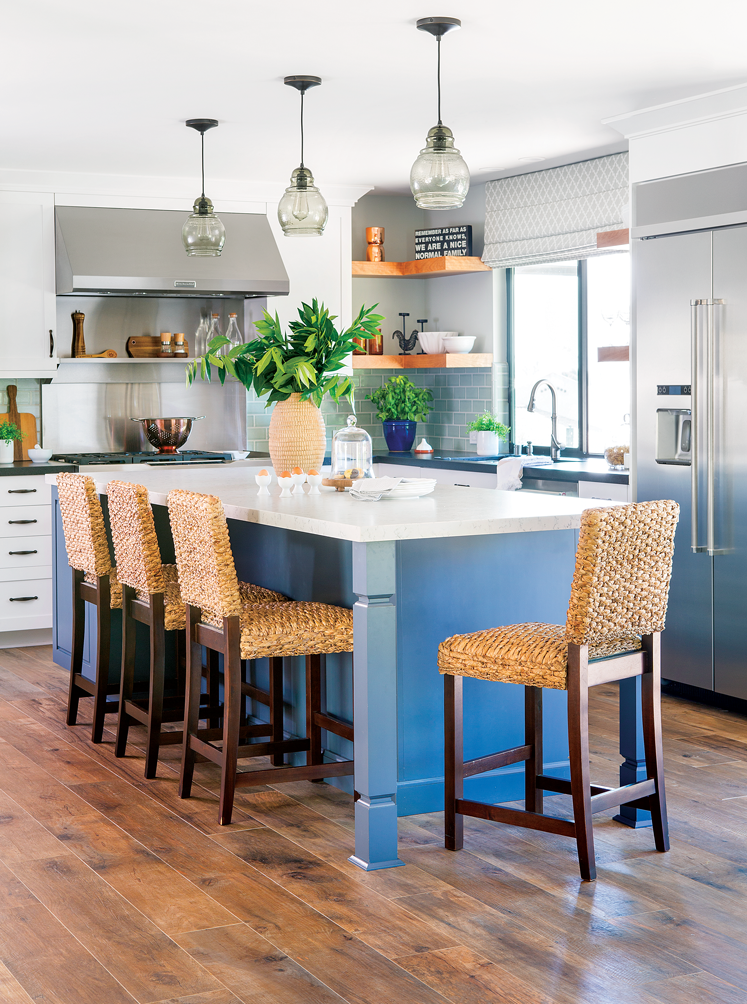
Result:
x=139 y=252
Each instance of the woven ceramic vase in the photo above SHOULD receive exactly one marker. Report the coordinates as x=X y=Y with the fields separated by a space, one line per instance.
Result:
x=296 y=435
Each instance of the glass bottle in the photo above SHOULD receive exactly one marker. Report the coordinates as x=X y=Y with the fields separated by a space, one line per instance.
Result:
x=352 y=452
x=201 y=337
x=215 y=331
x=232 y=332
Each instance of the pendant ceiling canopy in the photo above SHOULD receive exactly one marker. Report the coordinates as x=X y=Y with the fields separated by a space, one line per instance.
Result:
x=439 y=178
x=302 y=210
x=203 y=233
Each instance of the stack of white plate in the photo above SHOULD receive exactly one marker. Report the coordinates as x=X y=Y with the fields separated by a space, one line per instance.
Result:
x=373 y=489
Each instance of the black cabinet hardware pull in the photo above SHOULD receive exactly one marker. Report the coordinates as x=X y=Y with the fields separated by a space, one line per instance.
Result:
x=23 y=552
x=21 y=491
x=22 y=599
x=23 y=520
x=51 y=344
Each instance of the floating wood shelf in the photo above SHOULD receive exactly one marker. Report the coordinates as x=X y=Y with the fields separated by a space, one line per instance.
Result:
x=613 y=238
x=425 y=268
x=445 y=360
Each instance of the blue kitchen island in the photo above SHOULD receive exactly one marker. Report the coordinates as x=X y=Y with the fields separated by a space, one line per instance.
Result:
x=414 y=572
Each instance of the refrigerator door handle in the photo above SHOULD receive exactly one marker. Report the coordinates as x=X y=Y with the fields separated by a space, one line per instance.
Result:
x=698 y=382
x=714 y=416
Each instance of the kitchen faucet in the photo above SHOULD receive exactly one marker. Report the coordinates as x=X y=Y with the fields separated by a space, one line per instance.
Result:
x=555 y=446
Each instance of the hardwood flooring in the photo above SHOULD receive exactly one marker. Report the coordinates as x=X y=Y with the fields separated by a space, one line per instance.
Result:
x=113 y=890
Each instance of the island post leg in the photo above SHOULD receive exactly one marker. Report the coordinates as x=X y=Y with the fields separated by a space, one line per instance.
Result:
x=375 y=704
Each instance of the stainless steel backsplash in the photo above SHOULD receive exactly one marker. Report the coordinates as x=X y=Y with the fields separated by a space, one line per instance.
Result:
x=94 y=416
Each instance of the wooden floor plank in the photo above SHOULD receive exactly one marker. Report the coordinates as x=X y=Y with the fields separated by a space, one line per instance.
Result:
x=44 y=958
x=253 y=969
x=11 y=991
x=130 y=947
x=702 y=988
x=23 y=838
x=380 y=923
x=211 y=997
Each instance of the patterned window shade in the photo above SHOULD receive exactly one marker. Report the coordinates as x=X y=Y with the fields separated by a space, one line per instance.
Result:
x=555 y=214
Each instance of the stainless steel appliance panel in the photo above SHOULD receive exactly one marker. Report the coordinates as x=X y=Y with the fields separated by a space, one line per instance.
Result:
x=730 y=474
x=668 y=273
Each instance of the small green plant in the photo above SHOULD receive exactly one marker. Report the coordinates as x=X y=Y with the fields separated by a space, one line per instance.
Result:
x=9 y=432
x=489 y=423
x=399 y=399
x=303 y=362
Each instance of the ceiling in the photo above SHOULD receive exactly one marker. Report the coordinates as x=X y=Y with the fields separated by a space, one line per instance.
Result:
x=105 y=87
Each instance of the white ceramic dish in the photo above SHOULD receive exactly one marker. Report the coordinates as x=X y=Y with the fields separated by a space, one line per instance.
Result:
x=39 y=456
x=432 y=342
x=459 y=343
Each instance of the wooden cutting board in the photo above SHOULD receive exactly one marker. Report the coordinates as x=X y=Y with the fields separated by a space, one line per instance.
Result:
x=27 y=424
x=148 y=347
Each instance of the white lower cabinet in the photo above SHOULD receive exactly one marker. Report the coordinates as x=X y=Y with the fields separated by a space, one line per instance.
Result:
x=25 y=555
x=602 y=491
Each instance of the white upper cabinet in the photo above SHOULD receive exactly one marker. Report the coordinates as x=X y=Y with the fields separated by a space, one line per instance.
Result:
x=28 y=339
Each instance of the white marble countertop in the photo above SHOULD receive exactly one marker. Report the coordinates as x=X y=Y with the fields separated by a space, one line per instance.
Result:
x=449 y=512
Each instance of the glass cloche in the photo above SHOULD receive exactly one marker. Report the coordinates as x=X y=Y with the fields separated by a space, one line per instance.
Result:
x=352 y=452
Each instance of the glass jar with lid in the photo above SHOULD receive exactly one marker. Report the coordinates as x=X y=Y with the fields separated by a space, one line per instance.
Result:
x=352 y=452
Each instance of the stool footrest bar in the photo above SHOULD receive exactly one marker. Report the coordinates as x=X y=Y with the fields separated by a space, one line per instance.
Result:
x=563 y=787
x=276 y=775
x=495 y=760
x=334 y=724
x=621 y=796
x=516 y=817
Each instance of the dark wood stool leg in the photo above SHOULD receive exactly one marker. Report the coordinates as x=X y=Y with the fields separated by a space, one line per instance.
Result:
x=453 y=762
x=76 y=661
x=213 y=686
x=127 y=680
x=652 y=741
x=191 y=701
x=276 y=707
x=578 y=741
x=533 y=796
x=232 y=698
x=103 y=638
x=313 y=705
x=157 y=674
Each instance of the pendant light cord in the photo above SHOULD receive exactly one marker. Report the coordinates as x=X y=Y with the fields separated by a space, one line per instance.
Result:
x=438 y=74
x=302 y=94
x=202 y=137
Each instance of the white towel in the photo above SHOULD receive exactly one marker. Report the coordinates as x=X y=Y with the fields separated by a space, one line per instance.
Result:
x=508 y=473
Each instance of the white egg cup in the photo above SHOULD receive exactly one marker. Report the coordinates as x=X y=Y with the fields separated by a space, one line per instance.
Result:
x=263 y=480
x=314 y=481
x=298 y=482
x=285 y=484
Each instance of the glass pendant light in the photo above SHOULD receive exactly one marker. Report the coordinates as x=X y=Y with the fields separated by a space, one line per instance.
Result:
x=203 y=233
x=439 y=178
x=302 y=209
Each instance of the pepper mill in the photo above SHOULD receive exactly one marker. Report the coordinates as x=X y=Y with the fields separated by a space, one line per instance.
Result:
x=375 y=241
x=78 y=348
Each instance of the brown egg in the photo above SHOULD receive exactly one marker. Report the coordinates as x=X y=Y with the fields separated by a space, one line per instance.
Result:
x=285 y=474
x=297 y=470
x=313 y=473
x=263 y=473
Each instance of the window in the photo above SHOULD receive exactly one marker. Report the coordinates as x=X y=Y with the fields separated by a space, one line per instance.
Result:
x=569 y=324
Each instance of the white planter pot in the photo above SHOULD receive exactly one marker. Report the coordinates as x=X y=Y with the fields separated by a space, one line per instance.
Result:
x=487 y=444
x=6 y=451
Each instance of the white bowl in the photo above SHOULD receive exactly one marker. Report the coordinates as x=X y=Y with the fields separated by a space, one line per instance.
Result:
x=39 y=456
x=431 y=342
x=459 y=343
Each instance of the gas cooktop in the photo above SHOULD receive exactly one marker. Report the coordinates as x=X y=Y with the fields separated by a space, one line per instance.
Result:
x=147 y=457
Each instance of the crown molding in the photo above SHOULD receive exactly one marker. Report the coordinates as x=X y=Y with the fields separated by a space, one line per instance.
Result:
x=709 y=107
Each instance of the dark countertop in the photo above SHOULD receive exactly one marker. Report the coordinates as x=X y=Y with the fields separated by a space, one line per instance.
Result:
x=29 y=467
x=594 y=469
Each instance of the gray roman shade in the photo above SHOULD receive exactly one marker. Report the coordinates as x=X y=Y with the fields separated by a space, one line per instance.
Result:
x=555 y=214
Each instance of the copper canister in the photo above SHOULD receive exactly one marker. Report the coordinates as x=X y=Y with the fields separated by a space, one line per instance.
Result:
x=375 y=242
x=376 y=344
x=360 y=346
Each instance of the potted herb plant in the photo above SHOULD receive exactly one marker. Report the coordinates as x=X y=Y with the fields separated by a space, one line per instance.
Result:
x=489 y=431
x=295 y=371
x=9 y=434
x=400 y=406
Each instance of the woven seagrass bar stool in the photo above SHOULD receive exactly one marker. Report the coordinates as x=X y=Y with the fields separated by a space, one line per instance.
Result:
x=150 y=595
x=222 y=616
x=615 y=616
x=95 y=582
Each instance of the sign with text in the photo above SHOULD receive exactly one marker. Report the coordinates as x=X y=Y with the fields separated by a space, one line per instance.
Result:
x=438 y=241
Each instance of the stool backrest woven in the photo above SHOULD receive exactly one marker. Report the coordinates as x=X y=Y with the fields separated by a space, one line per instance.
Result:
x=136 y=549
x=204 y=561
x=83 y=524
x=621 y=582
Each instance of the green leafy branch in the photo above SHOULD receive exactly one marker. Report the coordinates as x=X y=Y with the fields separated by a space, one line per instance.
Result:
x=400 y=399
x=304 y=362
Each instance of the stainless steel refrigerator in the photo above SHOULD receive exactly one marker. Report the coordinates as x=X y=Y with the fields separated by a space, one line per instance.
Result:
x=689 y=252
